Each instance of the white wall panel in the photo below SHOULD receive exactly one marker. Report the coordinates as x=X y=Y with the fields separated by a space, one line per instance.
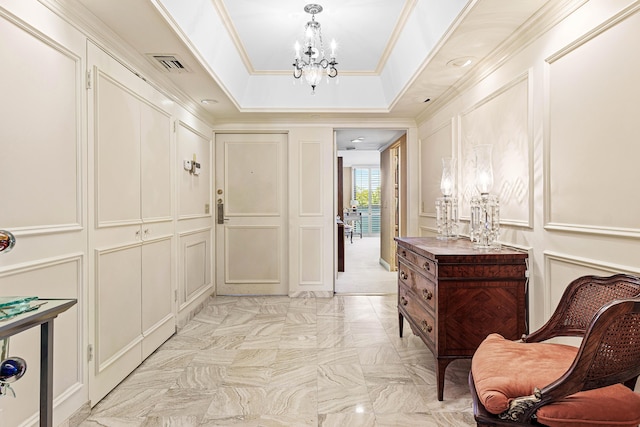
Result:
x=40 y=132
x=117 y=153
x=311 y=259
x=433 y=148
x=561 y=269
x=194 y=191
x=593 y=147
x=310 y=177
x=119 y=301
x=155 y=152
x=194 y=270
x=502 y=120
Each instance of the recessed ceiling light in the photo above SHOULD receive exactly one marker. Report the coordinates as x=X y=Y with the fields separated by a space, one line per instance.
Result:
x=461 y=62
x=209 y=101
x=359 y=139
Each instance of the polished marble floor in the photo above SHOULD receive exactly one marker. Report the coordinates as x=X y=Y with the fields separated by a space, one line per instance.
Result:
x=279 y=361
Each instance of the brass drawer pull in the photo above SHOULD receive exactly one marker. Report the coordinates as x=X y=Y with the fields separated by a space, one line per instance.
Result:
x=403 y=275
x=404 y=254
x=404 y=301
x=427 y=266
x=425 y=326
x=427 y=295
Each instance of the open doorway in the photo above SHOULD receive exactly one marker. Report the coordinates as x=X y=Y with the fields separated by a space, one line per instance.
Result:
x=369 y=204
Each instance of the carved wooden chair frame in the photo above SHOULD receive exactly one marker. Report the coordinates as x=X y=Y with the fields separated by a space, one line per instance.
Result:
x=606 y=312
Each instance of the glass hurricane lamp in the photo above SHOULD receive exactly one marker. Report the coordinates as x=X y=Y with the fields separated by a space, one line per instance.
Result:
x=447 y=205
x=485 y=208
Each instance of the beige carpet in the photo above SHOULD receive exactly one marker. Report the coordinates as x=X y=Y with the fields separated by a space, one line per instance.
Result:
x=363 y=272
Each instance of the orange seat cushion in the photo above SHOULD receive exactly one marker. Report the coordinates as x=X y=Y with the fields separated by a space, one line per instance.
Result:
x=503 y=370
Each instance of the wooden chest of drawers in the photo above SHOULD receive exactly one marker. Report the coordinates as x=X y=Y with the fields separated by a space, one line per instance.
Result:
x=454 y=296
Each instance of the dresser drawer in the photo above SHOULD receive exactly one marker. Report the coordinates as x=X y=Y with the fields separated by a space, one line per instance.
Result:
x=424 y=288
x=424 y=265
x=423 y=320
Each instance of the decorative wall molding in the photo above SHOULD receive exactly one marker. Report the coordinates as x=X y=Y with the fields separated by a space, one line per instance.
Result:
x=430 y=164
x=310 y=180
x=587 y=147
x=74 y=219
x=582 y=266
x=504 y=119
x=310 y=235
x=208 y=166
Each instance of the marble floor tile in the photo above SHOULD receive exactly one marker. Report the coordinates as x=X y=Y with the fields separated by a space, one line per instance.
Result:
x=378 y=355
x=344 y=400
x=232 y=401
x=386 y=374
x=307 y=356
x=301 y=420
x=286 y=374
x=387 y=398
x=213 y=356
x=348 y=419
x=279 y=361
x=340 y=376
x=337 y=356
x=255 y=357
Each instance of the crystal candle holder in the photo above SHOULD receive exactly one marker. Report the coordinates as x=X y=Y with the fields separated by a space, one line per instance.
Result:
x=447 y=217
x=485 y=222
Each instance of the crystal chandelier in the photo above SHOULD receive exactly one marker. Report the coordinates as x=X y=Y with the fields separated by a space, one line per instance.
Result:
x=311 y=61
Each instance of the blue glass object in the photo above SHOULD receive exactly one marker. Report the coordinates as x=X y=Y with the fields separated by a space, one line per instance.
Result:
x=12 y=369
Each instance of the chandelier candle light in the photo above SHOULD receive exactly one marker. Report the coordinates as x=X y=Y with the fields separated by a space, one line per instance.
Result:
x=447 y=206
x=311 y=62
x=485 y=209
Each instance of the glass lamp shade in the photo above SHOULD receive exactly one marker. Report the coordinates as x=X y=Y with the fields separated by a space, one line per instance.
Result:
x=313 y=73
x=484 y=168
x=447 y=182
x=447 y=206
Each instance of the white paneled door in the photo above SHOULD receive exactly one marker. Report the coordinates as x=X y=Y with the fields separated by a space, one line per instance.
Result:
x=250 y=207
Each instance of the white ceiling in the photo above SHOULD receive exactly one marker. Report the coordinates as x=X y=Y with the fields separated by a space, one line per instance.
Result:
x=392 y=54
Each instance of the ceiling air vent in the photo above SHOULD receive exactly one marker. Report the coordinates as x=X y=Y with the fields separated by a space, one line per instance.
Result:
x=170 y=63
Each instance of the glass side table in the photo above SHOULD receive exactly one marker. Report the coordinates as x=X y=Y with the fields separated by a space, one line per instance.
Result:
x=43 y=316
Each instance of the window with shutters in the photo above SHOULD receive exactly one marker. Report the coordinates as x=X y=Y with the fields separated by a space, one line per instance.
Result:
x=366 y=191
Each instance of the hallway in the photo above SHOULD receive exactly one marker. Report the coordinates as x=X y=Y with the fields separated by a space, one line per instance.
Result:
x=279 y=361
x=363 y=272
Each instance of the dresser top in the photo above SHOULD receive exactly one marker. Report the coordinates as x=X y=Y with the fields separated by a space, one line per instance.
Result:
x=434 y=248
